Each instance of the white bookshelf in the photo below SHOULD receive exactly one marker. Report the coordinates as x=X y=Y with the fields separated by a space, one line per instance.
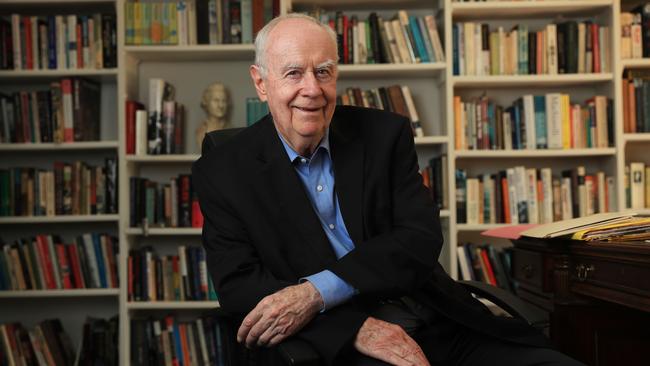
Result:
x=108 y=292
x=392 y=70
x=511 y=81
x=165 y=231
x=643 y=63
x=172 y=305
x=172 y=158
x=513 y=154
x=636 y=137
x=191 y=53
x=60 y=219
x=51 y=146
x=526 y=9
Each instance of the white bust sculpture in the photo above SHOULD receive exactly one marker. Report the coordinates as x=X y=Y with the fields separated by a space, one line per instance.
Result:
x=215 y=101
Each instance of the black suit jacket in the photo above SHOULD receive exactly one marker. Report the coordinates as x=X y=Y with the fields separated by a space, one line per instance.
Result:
x=261 y=233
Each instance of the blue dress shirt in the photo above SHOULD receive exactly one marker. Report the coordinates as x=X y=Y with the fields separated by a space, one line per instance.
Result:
x=317 y=176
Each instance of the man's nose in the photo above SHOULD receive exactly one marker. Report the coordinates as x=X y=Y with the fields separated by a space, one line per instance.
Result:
x=311 y=85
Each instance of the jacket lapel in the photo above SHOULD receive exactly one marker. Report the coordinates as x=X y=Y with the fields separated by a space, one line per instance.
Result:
x=348 y=158
x=289 y=193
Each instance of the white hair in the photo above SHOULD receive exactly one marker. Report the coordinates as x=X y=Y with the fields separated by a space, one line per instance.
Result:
x=263 y=34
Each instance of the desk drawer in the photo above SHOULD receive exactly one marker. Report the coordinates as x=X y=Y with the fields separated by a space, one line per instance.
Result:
x=628 y=279
x=528 y=268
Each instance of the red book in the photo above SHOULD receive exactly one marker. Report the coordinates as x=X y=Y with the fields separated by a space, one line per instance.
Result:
x=596 y=46
x=346 y=25
x=506 y=200
x=258 y=15
x=185 y=349
x=197 y=216
x=75 y=265
x=488 y=267
x=64 y=266
x=112 y=271
x=131 y=108
x=68 y=117
x=184 y=201
x=176 y=274
x=169 y=320
x=47 y=267
x=29 y=58
x=80 y=47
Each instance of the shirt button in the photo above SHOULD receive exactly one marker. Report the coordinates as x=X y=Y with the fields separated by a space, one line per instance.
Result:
x=303 y=160
x=332 y=226
x=319 y=188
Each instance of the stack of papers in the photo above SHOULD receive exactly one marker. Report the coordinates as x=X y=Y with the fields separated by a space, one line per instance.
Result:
x=615 y=226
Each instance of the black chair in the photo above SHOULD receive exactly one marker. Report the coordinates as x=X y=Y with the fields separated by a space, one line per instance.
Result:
x=300 y=353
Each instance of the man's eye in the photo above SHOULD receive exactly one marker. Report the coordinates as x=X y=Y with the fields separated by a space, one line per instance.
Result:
x=293 y=73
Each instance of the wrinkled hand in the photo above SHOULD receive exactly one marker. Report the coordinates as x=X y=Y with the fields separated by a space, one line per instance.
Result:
x=389 y=343
x=280 y=315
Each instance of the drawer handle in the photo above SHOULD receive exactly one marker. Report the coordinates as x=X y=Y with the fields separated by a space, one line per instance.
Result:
x=583 y=270
x=528 y=270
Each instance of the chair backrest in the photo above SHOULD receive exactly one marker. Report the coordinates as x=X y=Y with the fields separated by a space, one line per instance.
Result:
x=218 y=137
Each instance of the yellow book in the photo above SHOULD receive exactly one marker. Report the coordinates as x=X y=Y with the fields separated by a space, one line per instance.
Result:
x=458 y=124
x=137 y=23
x=566 y=121
x=173 y=24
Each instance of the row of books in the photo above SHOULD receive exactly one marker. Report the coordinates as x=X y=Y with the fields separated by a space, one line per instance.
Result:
x=68 y=189
x=207 y=340
x=46 y=344
x=170 y=128
x=548 y=121
x=635 y=32
x=563 y=48
x=403 y=39
x=181 y=277
x=196 y=21
x=486 y=264
x=58 y=42
x=255 y=110
x=637 y=185
x=526 y=195
x=435 y=178
x=173 y=204
x=636 y=101
x=394 y=98
x=68 y=111
x=46 y=262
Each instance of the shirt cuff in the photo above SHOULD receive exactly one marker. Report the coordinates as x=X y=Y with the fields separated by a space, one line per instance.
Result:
x=332 y=288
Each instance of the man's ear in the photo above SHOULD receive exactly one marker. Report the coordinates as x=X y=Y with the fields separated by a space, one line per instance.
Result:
x=258 y=81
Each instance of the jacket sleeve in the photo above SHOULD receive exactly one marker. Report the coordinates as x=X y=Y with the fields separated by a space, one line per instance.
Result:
x=242 y=280
x=402 y=258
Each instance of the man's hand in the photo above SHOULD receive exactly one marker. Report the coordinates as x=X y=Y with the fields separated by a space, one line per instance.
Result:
x=389 y=343
x=280 y=315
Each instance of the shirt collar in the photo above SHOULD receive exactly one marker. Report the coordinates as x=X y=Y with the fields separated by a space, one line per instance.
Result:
x=293 y=155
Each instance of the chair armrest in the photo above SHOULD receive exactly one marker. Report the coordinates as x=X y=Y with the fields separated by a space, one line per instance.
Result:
x=507 y=301
x=297 y=352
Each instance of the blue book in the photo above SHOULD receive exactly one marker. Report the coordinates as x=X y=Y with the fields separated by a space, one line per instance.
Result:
x=51 y=42
x=523 y=49
x=516 y=123
x=491 y=117
x=177 y=344
x=196 y=277
x=221 y=357
x=100 y=260
x=454 y=36
x=428 y=42
x=539 y=101
x=419 y=43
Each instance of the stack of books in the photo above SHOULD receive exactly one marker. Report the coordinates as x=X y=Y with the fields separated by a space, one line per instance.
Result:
x=636 y=101
x=486 y=264
x=635 y=32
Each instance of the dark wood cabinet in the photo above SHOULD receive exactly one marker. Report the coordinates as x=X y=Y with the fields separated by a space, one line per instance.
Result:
x=596 y=295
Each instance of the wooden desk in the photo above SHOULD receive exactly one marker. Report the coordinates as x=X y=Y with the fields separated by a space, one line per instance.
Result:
x=597 y=297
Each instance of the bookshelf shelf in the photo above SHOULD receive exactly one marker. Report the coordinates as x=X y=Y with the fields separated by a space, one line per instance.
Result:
x=82 y=145
x=445 y=213
x=431 y=140
x=490 y=154
x=192 y=53
x=170 y=305
x=523 y=9
x=165 y=231
x=360 y=4
x=179 y=158
x=38 y=75
x=638 y=63
x=636 y=137
x=58 y=219
x=60 y=293
x=478 y=227
x=563 y=80
x=391 y=70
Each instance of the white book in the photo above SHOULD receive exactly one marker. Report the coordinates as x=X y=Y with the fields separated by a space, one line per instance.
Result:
x=204 y=349
x=567 y=208
x=478 y=49
x=362 y=44
x=602 y=135
x=547 y=191
x=71 y=26
x=603 y=37
x=463 y=263
x=413 y=113
x=50 y=196
x=522 y=194
x=514 y=51
x=602 y=192
x=472 y=200
x=355 y=43
x=507 y=131
x=392 y=42
x=432 y=29
x=15 y=38
x=502 y=51
x=191 y=21
x=582 y=191
x=404 y=22
x=461 y=49
x=637 y=184
x=551 y=46
x=611 y=193
x=637 y=40
x=141 y=132
x=181 y=23
x=401 y=42
x=61 y=43
x=554 y=120
x=529 y=118
x=591 y=199
x=531 y=183
x=182 y=260
x=470 y=48
x=512 y=195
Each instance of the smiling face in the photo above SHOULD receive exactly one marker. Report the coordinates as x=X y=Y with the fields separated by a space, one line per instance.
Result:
x=300 y=82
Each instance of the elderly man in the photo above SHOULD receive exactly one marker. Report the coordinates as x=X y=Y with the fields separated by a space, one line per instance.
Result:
x=317 y=226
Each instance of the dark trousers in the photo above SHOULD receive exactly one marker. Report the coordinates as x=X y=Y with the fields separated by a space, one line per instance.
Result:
x=445 y=342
